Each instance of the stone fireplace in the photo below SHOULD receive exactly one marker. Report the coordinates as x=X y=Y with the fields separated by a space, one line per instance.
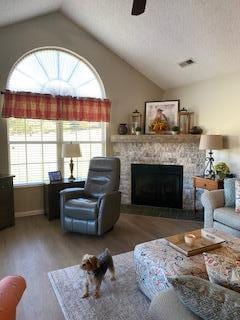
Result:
x=169 y=150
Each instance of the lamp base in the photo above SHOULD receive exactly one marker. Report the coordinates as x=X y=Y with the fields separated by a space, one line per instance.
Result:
x=209 y=172
x=71 y=165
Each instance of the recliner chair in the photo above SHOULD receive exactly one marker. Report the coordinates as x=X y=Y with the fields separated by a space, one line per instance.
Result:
x=95 y=208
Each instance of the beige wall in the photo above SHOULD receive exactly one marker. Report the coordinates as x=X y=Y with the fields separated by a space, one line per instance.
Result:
x=126 y=87
x=216 y=103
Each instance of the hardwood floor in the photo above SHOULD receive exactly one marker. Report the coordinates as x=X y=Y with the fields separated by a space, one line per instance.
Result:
x=35 y=246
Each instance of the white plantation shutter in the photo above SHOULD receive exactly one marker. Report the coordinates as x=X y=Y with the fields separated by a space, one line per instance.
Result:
x=35 y=145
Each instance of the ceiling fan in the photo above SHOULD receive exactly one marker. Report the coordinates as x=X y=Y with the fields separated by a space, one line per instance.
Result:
x=138 y=7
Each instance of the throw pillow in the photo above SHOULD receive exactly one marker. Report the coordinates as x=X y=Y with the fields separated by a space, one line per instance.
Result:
x=223 y=270
x=207 y=300
x=229 y=192
x=237 y=191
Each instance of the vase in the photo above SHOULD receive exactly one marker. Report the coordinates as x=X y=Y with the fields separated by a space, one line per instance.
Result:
x=122 y=128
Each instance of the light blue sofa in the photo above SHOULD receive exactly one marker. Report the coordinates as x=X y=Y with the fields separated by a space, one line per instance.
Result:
x=219 y=216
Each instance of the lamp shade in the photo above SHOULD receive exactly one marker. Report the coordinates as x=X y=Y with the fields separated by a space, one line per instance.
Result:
x=71 y=150
x=211 y=142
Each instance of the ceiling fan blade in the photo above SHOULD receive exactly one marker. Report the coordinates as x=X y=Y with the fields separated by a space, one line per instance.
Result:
x=138 y=7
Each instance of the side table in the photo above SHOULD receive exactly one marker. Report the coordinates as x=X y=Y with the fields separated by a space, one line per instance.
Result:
x=7 y=218
x=52 y=196
x=205 y=183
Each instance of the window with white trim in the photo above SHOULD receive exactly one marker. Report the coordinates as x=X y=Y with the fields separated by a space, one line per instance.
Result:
x=35 y=145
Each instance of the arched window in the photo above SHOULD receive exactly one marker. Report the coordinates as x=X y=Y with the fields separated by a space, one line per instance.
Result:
x=35 y=145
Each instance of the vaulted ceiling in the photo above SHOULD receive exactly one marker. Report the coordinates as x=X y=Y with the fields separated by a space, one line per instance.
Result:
x=170 y=31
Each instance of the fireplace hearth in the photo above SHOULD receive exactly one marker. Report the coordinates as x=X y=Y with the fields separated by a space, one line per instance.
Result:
x=157 y=185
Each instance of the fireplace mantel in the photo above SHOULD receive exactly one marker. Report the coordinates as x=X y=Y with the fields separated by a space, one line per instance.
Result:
x=158 y=138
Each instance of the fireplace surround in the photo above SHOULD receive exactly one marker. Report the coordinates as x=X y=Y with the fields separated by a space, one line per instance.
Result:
x=180 y=150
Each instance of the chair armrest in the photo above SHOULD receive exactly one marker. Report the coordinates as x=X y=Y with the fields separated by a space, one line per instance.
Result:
x=11 y=291
x=109 y=210
x=210 y=201
x=71 y=193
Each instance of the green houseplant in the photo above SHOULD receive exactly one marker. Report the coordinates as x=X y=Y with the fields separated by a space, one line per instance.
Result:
x=175 y=130
x=221 y=169
x=138 y=131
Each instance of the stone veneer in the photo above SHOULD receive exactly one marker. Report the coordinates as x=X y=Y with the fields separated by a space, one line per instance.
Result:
x=160 y=149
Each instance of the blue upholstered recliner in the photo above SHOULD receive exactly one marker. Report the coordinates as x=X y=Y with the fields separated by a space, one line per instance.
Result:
x=95 y=208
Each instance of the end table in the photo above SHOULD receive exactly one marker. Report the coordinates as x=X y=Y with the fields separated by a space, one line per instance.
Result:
x=205 y=183
x=52 y=195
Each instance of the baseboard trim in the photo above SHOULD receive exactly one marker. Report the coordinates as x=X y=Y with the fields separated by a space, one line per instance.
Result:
x=28 y=213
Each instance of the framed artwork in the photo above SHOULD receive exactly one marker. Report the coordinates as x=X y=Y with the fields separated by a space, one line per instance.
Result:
x=161 y=116
x=55 y=176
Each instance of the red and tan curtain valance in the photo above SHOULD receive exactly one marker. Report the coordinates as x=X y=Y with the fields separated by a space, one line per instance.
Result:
x=44 y=106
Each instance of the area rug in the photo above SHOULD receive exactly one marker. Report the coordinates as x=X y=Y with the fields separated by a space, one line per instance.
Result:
x=119 y=299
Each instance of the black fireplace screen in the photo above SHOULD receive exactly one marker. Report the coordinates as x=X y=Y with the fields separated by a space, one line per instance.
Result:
x=157 y=185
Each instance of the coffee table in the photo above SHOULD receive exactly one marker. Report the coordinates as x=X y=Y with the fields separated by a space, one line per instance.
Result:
x=156 y=260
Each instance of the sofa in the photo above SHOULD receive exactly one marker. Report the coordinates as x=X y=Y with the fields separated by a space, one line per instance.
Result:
x=218 y=215
x=95 y=208
x=11 y=291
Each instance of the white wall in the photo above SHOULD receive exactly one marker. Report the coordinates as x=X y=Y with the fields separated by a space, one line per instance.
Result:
x=216 y=103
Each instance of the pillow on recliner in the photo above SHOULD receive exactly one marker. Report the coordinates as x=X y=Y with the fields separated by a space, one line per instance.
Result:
x=207 y=300
x=229 y=192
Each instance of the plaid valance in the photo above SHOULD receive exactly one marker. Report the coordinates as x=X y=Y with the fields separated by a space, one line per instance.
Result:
x=47 y=107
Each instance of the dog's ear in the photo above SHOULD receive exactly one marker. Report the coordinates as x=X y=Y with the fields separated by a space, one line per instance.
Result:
x=94 y=262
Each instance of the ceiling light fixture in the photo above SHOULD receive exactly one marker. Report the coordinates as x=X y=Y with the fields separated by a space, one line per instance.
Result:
x=186 y=63
x=138 y=7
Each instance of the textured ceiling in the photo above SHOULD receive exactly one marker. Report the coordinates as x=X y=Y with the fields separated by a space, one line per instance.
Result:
x=169 y=32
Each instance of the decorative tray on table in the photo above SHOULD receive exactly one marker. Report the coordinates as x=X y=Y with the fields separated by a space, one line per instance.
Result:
x=203 y=241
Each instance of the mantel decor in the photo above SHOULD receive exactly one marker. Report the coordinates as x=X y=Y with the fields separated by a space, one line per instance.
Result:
x=161 y=116
x=185 y=120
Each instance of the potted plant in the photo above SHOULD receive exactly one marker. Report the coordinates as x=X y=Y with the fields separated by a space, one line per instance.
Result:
x=175 y=130
x=221 y=169
x=138 y=131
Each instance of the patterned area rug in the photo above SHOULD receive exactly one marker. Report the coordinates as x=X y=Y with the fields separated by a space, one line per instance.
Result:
x=120 y=300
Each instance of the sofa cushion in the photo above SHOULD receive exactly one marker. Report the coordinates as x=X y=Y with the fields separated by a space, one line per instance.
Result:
x=82 y=209
x=237 y=196
x=229 y=192
x=167 y=306
x=207 y=300
x=227 y=216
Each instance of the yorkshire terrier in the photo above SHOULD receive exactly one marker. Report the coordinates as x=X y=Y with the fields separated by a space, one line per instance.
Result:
x=95 y=269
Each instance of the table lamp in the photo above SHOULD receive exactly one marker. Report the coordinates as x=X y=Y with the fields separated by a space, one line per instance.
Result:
x=71 y=150
x=210 y=142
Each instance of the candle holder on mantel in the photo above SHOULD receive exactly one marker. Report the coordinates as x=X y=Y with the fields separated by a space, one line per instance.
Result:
x=136 y=122
x=185 y=121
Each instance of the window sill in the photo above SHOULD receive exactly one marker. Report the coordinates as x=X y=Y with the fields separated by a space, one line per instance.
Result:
x=27 y=185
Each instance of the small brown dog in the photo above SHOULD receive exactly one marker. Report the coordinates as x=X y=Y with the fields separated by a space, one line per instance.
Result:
x=95 y=269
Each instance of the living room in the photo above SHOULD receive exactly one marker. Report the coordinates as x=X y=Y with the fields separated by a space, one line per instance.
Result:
x=79 y=80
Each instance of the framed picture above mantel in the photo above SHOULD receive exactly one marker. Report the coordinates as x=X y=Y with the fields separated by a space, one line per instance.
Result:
x=161 y=116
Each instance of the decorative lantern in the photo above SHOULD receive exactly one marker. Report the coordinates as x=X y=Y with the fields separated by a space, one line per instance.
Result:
x=185 y=121
x=136 y=121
